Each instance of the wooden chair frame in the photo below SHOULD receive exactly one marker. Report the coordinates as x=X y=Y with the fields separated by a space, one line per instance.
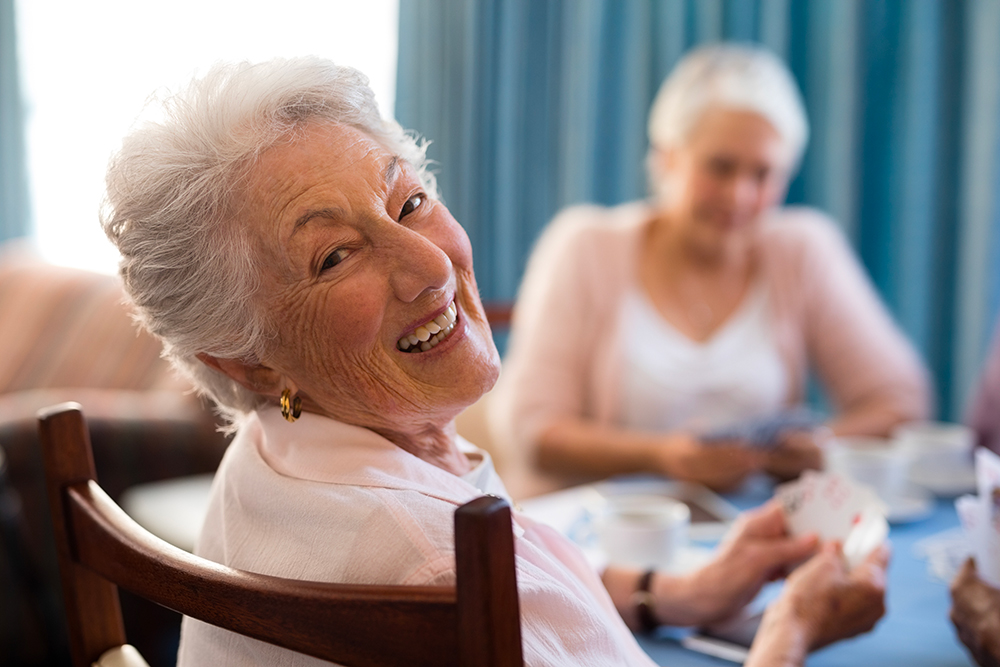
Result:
x=474 y=624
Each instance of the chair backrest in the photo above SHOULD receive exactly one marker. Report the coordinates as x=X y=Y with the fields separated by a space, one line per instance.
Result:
x=498 y=314
x=476 y=623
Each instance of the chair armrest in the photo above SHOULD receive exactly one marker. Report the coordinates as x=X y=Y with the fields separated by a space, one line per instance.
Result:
x=125 y=655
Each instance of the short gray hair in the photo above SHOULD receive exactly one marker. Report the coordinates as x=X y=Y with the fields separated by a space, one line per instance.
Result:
x=729 y=76
x=172 y=204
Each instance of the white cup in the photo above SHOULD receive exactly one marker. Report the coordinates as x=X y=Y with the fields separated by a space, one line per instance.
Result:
x=879 y=463
x=643 y=530
x=939 y=450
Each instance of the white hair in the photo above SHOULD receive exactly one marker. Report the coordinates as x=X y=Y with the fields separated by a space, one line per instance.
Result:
x=728 y=76
x=172 y=205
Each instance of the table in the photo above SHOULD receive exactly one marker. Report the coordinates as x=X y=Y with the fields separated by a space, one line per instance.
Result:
x=915 y=632
x=171 y=509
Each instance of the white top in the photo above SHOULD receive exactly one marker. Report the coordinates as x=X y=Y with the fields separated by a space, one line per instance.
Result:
x=324 y=501
x=671 y=382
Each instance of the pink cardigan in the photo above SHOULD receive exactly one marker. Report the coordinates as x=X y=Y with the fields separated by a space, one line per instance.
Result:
x=563 y=355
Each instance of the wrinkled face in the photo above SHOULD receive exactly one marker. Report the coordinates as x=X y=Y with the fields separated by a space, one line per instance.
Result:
x=733 y=167
x=359 y=263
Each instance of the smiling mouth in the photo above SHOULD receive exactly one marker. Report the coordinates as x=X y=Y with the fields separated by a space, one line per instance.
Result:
x=428 y=335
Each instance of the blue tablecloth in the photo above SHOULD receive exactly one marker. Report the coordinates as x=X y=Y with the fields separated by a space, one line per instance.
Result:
x=915 y=632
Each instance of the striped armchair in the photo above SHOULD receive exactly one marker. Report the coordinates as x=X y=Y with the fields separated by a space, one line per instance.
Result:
x=66 y=335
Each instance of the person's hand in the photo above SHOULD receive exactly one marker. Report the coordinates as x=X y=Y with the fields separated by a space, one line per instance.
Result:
x=822 y=602
x=975 y=611
x=720 y=466
x=797 y=451
x=755 y=551
x=830 y=601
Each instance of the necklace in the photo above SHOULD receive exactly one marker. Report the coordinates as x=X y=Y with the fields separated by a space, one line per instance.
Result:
x=692 y=302
x=694 y=295
x=697 y=302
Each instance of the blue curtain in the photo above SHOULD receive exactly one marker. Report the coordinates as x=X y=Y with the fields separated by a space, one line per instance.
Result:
x=13 y=178
x=533 y=105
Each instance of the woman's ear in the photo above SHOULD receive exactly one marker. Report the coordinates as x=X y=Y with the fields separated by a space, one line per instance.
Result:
x=661 y=163
x=668 y=158
x=257 y=378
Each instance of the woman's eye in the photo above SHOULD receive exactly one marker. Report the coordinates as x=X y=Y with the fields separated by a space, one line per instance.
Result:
x=334 y=258
x=722 y=167
x=411 y=205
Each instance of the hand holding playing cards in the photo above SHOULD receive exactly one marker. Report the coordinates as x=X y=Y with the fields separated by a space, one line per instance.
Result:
x=975 y=612
x=823 y=602
x=796 y=452
x=756 y=551
x=835 y=508
x=835 y=602
x=721 y=466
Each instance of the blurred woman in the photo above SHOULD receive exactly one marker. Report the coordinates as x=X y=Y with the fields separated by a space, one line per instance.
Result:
x=644 y=331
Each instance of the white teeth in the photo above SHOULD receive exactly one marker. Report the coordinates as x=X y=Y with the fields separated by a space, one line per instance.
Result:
x=428 y=335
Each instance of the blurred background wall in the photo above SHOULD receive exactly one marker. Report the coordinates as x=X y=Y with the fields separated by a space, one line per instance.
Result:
x=13 y=175
x=533 y=105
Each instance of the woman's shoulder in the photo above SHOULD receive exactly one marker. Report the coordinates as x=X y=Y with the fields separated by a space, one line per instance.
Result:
x=801 y=226
x=594 y=222
x=324 y=531
x=322 y=528
x=578 y=233
x=804 y=239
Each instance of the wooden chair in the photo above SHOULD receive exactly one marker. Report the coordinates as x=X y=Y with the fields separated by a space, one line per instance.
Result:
x=475 y=623
x=498 y=314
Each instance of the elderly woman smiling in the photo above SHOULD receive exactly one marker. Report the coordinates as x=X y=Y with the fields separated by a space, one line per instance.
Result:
x=287 y=245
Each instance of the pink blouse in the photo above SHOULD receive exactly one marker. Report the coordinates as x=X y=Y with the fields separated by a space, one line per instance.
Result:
x=326 y=501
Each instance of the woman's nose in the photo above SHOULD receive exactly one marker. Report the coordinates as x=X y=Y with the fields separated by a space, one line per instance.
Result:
x=743 y=191
x=418 y=266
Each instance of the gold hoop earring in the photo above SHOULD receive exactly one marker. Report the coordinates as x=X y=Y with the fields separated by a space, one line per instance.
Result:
x=290 y=409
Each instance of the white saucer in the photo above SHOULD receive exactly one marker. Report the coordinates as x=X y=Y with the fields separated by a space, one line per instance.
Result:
x=946 y=483
x=688 y=559
x=172 y=509
x=913 y=505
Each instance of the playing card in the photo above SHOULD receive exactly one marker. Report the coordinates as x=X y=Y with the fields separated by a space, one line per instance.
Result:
x=763 y=432
x=978 y=515
x=799 y=500
x=987 y=472
x=983 y=516
x=826 y=503
x=970 y=513
x=868 y=533
x=834 y=508
x=988 y=558
x=945 y=553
